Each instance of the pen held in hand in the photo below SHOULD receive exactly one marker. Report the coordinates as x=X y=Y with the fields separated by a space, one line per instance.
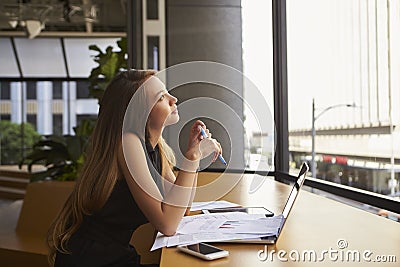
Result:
x=221 y=158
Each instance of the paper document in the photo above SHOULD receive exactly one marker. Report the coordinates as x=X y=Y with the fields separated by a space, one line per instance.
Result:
x=220 y=227
x=211 y=222
x=266 y=226
x=198 y=226
x=212 y=205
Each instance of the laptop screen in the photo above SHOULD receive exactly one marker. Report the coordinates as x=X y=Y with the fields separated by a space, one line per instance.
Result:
x=295 y=190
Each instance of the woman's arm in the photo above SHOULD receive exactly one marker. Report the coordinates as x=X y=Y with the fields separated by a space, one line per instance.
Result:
x=170 y=180
x=164 y=213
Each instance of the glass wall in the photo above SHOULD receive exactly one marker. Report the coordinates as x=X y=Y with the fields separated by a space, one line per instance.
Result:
x=344 y=91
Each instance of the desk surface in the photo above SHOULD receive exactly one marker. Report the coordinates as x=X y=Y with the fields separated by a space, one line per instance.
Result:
x=314 y=224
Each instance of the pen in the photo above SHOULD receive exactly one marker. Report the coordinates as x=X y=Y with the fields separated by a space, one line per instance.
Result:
x=203 y=133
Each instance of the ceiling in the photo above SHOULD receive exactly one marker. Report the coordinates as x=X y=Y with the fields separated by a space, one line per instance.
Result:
x=33 y=17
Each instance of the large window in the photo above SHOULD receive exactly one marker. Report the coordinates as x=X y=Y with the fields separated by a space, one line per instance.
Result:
x=343 y=65
x=48 y=92
x=258 y=88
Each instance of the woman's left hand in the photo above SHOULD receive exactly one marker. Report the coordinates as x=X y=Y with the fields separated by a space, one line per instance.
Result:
x=201 y=146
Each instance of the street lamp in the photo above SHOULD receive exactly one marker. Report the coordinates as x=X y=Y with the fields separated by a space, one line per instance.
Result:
x=314 y=118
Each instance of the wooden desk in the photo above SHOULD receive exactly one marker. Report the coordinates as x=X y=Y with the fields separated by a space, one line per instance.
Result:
x=315 y=223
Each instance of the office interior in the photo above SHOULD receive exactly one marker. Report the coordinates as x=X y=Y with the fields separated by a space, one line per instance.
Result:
x=279 y=82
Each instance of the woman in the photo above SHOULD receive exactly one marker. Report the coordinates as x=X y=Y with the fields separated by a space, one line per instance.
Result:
x=127 y=178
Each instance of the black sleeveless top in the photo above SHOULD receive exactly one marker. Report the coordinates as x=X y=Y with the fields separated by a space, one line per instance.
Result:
x=103 y=237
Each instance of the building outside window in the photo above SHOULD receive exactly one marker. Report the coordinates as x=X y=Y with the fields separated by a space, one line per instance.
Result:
x=344 y=56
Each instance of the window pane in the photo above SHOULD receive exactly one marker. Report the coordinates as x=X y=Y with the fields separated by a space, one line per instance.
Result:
x=57 y=124
x=8 y=66
x=31 y=118
x=57 y=90
x=153 y=58
x=82 y=89
x=258 y=88
x=344 y=54
x=79 y=57
x=40 y=57
x=5 y=117
x=152 y=9
x=5 y=90
x=31 y=90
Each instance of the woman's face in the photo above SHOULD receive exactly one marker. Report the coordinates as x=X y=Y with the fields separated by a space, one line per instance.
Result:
x=164 y=111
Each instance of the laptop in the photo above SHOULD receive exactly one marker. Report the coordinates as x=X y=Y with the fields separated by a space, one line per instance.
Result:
x=272 y=239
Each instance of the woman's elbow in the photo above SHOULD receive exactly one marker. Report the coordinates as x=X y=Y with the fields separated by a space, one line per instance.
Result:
x=167 y=231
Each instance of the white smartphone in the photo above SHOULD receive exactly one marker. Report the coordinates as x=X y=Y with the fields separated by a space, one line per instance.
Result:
x=204 y=251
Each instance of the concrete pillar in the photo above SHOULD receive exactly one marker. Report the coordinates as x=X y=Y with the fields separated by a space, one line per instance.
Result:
x=206 y=30
x=69 y=99
x=44 y=107
x=18 y=97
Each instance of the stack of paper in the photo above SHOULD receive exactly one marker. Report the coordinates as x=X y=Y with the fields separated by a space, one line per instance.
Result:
x=212 y=205
x=216 y=227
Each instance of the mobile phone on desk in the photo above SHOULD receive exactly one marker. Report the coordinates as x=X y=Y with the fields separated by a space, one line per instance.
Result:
x=204 y=251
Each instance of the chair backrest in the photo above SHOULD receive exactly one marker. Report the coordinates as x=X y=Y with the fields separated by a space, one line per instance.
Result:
x=42 y=203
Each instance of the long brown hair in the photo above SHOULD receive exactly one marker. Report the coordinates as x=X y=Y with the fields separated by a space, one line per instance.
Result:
x=101 y=170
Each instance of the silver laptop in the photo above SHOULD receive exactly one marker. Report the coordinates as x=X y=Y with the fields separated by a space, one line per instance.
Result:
x=271 y=239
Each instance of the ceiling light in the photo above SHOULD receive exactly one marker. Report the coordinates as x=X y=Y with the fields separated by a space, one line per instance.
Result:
x=13 y=23
x=33 y=28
